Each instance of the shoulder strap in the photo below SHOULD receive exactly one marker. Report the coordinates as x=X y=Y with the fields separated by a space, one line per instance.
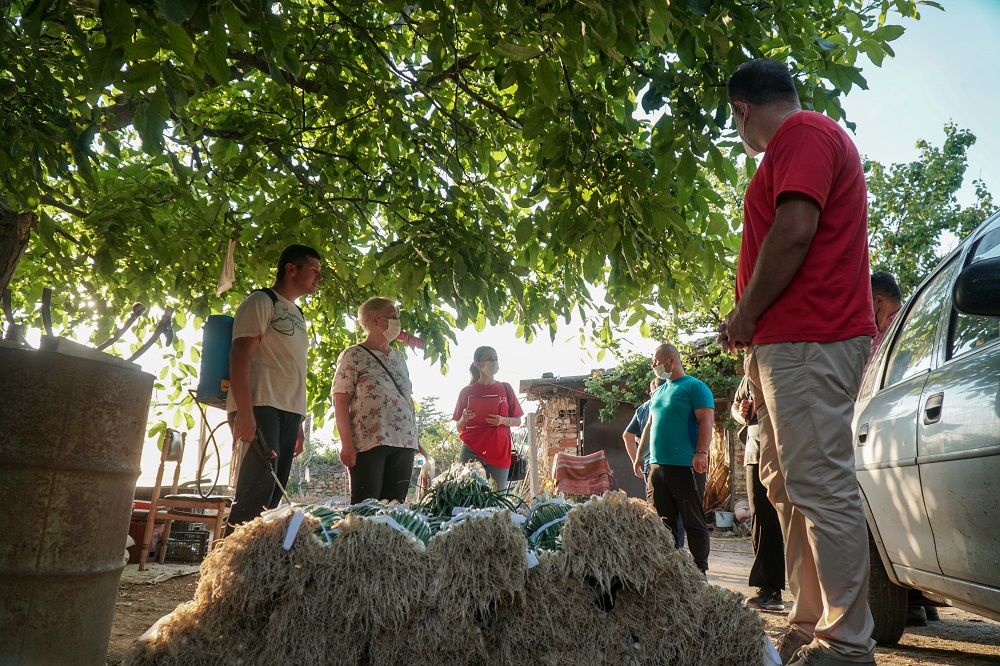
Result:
x=379 y=361
x=511 y=398
x=274 y=298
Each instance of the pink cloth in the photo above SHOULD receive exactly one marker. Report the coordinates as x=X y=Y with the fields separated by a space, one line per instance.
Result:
x=581 y=475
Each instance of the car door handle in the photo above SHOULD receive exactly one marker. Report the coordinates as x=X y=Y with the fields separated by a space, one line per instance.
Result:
x=862 y=434
x=932 y=408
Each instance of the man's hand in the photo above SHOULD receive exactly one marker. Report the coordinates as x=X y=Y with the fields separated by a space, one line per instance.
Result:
x=245 y=426
x=300 y=442
x=639 y=467
x=736 y=330
x=746 y=406
x=700 y=463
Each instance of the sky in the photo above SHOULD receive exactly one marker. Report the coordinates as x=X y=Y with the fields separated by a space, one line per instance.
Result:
x=944 y=70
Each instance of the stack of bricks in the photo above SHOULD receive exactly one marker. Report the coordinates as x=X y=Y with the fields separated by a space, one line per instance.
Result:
x=557 y=427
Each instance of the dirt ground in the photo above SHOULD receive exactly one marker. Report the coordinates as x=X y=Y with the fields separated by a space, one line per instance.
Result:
x=959 y=639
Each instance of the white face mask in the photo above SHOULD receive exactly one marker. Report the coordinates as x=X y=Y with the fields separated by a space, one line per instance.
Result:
x=661 y=371
x=750 y=150
x=741 y=130
x=490 y=368
x=393 y=331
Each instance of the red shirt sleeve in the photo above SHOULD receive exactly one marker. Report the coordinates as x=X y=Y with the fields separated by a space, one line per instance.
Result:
x=514 y=408
x=806 y=161
x=463 y=402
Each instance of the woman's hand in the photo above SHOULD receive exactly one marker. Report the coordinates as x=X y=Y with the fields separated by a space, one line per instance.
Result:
x=468 y=415
x=348 y=454
x=496 y=419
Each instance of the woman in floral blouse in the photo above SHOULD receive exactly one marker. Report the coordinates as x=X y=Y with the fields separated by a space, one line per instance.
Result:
x=373 y=403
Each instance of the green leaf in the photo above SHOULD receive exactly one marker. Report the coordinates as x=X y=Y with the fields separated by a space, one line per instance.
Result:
x=181 y=43
x=853 y=23
x=546 y=83
x=686 y=49
x=517 y=51
x=142 y=75
x=118 y=21
x=151 y=120
x=874 y=51
x=215 y=56
x=888 y=33
x=143 y=49
x=104 y=66
x=824 y=44
x=177 y=11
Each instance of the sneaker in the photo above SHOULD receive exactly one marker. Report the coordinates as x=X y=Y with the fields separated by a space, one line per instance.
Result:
x=767 y=600
x=790 y=642
x=916 y=616
x=817 y=656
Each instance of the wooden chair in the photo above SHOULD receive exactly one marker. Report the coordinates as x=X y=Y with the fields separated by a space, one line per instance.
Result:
x=171 y=507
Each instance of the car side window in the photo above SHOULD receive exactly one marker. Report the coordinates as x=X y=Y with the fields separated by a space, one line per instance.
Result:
x=968 y=332
x=914 y=347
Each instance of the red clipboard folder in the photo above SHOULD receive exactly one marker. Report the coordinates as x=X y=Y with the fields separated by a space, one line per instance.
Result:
x=483 y=406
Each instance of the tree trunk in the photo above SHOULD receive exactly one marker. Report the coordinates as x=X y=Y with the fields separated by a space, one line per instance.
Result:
x=15 y=229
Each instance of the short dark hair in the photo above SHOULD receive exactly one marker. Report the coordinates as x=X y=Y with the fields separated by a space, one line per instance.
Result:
x=295 y=255
x=762 y=81
x=884 y=284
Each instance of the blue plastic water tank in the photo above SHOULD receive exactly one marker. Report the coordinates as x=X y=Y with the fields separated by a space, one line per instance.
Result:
x=213 y=383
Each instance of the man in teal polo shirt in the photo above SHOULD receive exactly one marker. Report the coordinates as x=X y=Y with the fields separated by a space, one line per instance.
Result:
x=679 y=435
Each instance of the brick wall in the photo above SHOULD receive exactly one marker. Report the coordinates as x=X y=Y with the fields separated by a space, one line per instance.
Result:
x=556 y=425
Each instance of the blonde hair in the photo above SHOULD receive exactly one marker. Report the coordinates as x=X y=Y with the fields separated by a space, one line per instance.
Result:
x=373 y=305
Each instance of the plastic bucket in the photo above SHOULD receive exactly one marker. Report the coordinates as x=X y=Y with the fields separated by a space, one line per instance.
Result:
x=71 y=435
x=217 y=340
x=723 y=518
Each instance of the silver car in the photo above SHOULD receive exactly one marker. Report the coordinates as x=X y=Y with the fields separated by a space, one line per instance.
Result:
x=927 y=437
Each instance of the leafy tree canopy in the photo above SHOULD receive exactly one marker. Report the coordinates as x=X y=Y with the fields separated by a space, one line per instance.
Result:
x=912 y=206
x=480 y=161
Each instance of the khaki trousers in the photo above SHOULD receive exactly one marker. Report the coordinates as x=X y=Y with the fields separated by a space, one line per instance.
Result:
x=804 y=394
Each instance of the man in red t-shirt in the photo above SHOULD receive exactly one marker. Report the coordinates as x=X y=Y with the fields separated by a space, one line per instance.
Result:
x=804 y=316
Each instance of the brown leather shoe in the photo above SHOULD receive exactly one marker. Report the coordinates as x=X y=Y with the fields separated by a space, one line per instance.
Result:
x=790 y=642
x=817 y=656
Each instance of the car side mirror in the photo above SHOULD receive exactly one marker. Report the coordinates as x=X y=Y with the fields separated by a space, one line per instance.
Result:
x=977 y=289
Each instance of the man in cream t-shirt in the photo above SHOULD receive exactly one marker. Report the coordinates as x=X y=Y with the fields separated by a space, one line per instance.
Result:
x=267 y=381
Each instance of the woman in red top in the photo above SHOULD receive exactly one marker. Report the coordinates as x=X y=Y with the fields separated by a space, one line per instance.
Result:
x=486 y=411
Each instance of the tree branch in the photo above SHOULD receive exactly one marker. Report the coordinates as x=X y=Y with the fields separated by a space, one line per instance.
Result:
x=66 y=208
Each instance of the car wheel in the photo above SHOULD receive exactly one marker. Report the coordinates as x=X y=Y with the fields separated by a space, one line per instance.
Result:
x=887 y=600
